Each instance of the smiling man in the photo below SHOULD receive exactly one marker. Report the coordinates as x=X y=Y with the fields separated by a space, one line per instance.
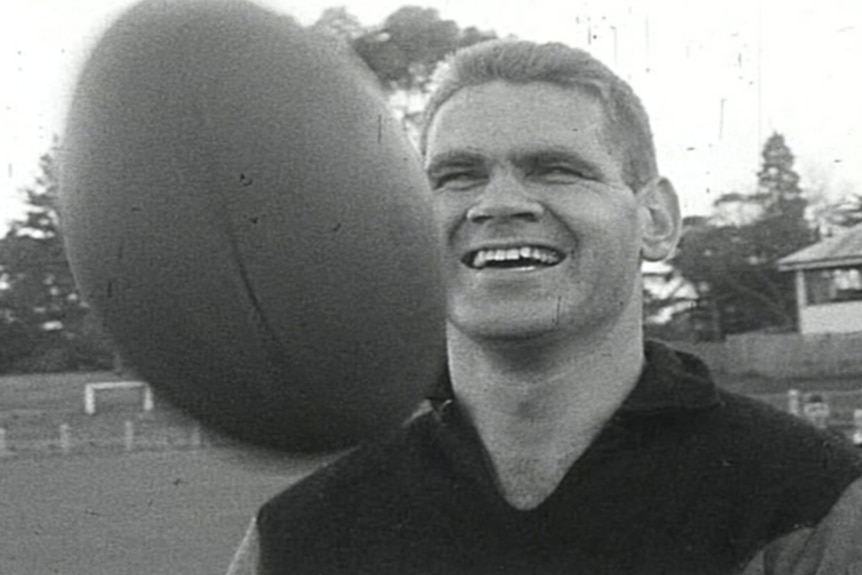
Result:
x=559 y=441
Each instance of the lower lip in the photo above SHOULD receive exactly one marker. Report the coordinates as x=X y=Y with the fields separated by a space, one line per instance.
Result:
x=520 y=270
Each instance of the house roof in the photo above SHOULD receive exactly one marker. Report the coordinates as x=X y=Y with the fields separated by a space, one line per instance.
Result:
x=840 y=250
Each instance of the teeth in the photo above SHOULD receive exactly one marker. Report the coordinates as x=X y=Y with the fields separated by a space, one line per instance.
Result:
x=531 y=255
x=480 y=259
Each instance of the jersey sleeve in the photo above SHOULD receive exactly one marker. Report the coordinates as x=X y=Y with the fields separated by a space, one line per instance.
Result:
x=833 y=546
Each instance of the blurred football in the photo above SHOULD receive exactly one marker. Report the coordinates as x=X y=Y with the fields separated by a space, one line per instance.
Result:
x=252 y=226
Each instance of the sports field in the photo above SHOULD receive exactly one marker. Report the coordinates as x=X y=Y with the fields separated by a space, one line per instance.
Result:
x=98 y=509
x=162 y=507
x=144 y=513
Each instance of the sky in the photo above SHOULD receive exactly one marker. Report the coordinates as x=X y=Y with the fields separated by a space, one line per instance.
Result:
x=717 y=77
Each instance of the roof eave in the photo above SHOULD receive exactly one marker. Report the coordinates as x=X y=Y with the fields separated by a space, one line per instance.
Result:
x=823 y=263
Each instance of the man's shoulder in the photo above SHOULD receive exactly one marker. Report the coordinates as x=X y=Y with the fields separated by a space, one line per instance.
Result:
x=781 y=464
x=739 y=449
x=370 y=472
x=749 y=427
x=756 y=430
x=766 y=440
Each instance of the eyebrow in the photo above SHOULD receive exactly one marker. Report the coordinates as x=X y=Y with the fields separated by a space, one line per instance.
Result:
x=551 y=155
x=522 y=158
x=454 y=158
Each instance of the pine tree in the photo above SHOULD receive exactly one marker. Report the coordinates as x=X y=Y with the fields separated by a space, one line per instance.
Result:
x=782 y=228
x=43 y=323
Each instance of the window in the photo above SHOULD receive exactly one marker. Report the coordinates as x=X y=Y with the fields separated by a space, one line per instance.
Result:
x=836 y=285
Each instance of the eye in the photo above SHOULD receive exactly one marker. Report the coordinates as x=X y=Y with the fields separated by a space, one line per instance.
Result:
x=456 y=179
x=559 y=173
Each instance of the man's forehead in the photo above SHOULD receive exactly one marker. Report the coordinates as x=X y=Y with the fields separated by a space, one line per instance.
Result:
x=503 y=119
x=513 y=95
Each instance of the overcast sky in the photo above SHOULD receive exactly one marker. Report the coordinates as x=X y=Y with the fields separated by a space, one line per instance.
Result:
x=717 y=77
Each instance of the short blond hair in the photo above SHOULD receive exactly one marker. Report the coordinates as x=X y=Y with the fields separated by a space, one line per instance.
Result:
x=523 y=62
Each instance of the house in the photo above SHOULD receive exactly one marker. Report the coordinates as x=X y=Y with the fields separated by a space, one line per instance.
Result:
x=829 y=283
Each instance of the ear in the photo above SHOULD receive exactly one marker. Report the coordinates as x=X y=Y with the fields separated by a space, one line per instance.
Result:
x=661 y=224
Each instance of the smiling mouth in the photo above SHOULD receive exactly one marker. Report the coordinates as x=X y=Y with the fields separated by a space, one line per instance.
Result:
x=523 y=257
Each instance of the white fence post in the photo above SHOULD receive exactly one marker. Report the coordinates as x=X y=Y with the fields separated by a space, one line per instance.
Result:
x=129 y=436
x=4 y=449
x=793 y=404
x=89 y=400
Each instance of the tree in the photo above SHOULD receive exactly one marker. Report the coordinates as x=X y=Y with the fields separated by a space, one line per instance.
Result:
x=737 y=292
x=845 y=213
x=783 y=228
x=732 y=263
x=42 y=317
x=339 y=23
x=404 y=51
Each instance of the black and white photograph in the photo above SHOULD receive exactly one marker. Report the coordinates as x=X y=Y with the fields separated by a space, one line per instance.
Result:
x=434 y=287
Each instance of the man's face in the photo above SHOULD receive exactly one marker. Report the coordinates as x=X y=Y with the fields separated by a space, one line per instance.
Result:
x=540 y=233
x=817 y=413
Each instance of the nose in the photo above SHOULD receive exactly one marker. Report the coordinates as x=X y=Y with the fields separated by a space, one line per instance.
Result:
x=504 y=198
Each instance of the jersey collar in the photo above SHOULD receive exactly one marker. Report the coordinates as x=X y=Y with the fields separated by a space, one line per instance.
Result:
x=671 y=380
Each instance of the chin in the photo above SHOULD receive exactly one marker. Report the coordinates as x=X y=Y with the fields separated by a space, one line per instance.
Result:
x=534 y=323
x=520 y=326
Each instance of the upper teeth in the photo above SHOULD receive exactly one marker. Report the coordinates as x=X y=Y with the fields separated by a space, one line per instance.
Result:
x=541 y=255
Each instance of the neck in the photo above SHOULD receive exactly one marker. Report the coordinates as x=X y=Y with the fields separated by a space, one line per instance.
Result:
x=536 y=384
x=538 y=405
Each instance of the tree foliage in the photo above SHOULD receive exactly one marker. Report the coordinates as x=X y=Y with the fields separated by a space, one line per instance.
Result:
x=44 y=325
x=403 y=51
x=406 y=48
x=732 y=263
x=845 y=213
x=339 y=23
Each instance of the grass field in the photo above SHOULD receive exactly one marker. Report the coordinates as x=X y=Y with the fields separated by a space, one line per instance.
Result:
x=145 y=513
x=163 y=508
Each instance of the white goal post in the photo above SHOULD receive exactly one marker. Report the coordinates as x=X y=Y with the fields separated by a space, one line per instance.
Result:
x=90 y=390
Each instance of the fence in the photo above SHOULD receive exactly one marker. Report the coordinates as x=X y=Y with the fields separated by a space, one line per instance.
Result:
x=45 y=417
x=785 y=355
x=129 y=435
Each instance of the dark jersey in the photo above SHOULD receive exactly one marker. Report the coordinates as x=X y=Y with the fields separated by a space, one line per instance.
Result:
x=685 y=478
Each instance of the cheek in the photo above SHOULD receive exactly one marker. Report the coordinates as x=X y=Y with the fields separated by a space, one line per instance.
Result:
x=443 y=218
x=609 y=239
x=449 y=215
x=614 y=223
x=624 y=220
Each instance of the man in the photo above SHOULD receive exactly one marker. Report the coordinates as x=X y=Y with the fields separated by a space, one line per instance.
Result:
x=817 y=412
x=559 y=441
